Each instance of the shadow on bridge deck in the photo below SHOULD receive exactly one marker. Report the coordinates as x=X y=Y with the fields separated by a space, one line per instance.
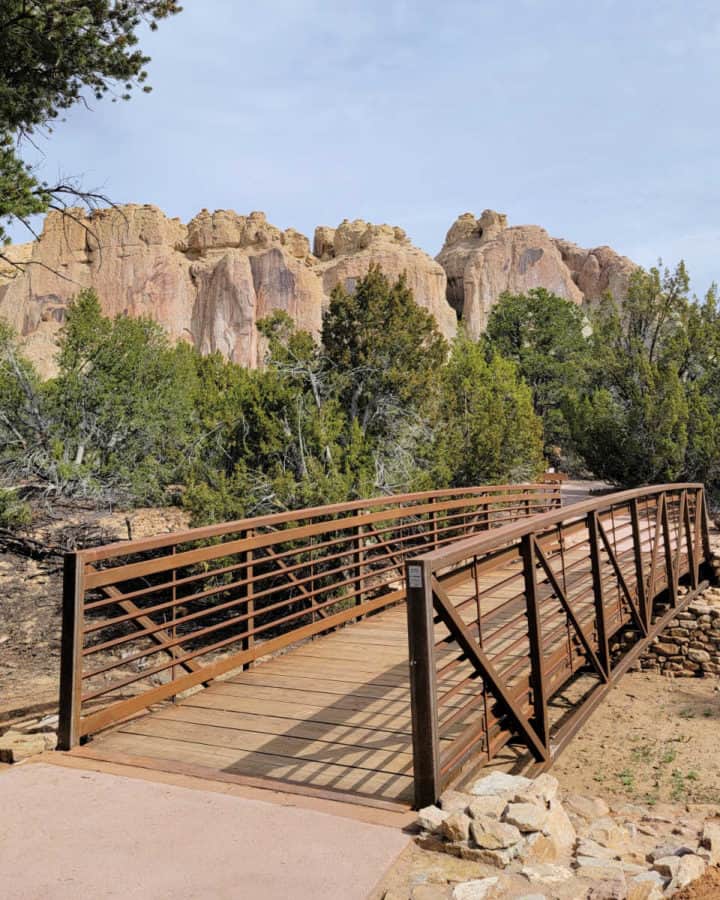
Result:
x=332 y=714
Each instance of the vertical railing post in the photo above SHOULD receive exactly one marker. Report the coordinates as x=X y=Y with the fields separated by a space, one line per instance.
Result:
x=680 y=527
x=669 y=567
x=423 y=684
x=173 y=628
x=537 y=677
x=435 y=537
x=359 y=564
x=249 y=639
x=705 y=525
x=639 y=568
x=71 y=651
x=598 y=592
x=691 y=544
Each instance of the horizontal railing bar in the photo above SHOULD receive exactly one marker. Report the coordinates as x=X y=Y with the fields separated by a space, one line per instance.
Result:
x=128 y=571
x=223 y=588
x=109 y=551
x=218 y=626
x=478 y=546
x=297 y=584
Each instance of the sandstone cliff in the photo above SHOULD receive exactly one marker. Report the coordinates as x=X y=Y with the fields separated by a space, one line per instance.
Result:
x=484 y=257
x=209 y=282
x=347 y=252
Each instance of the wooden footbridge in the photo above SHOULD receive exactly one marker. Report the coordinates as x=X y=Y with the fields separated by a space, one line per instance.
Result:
x=379 y=650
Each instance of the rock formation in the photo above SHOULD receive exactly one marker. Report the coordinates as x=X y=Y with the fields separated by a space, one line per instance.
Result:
x=484 y=257
x=209 y=282
x=347 y=252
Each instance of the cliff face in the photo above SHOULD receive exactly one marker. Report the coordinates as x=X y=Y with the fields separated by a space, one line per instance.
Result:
x=209 y=282
x=484 y=258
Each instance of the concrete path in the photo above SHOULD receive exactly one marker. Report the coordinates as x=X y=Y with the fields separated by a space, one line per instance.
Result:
x=577 y=491
x=68 y=833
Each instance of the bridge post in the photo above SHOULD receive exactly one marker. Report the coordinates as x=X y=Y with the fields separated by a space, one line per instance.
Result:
x=423 y=683
x=639 y=570
x=670 y=573
x=599 y=593
x=249 y=639
x=358 y=564
x=705 y=525
x=71 y=652
x=537 y=675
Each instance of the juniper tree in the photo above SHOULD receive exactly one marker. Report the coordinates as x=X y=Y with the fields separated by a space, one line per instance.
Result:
x=53 y=55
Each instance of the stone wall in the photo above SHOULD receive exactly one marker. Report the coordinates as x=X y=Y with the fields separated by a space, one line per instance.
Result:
x=690 y=645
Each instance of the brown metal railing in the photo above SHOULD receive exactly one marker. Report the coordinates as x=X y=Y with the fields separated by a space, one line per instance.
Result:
x=499 y=623
x=146 y=620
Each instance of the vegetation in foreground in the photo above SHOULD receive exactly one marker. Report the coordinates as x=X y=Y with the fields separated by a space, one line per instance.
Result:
x=380 y=404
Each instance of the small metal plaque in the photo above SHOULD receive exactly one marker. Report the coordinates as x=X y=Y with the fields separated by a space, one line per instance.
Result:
x=415 y=579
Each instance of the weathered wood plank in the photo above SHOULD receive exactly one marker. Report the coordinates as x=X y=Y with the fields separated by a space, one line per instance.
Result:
x=287 y=748
x=343 y=778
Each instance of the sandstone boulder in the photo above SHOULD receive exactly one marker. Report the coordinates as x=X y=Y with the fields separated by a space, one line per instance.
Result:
x=596 y=271
x=456 y=827
x=499 y=783
x=493 y=835
x=16 y=746
x=526 y=816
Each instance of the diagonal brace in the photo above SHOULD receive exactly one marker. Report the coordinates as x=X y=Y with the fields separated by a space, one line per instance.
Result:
x=560 y=594
x=481 y=663
x=621 y=578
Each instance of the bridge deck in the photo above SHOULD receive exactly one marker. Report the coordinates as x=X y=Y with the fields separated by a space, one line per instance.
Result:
x=330 y=714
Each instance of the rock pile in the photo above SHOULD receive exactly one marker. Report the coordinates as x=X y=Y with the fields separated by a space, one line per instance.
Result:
x=32 y=737
x=569 y=849
x=690 y=645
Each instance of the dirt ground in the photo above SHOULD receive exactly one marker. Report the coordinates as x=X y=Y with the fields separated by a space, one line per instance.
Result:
x=653 y=740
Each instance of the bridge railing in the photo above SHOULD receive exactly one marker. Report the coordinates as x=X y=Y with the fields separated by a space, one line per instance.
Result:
x=145 y=620
x=498 y=624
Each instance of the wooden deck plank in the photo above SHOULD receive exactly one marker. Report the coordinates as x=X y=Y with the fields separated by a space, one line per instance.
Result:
x=338 y=699
x=352 y=735
x=211 y=699
x=285 y=747
x=315 y=699
x=309 y=681
x=341 y=778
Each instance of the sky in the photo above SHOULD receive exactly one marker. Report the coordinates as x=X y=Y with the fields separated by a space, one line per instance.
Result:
x=598 y=121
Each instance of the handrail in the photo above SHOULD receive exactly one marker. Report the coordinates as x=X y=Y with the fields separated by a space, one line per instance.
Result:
x=460 y=550
x=504 y=621
x=145 y=620
x=107 y=551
